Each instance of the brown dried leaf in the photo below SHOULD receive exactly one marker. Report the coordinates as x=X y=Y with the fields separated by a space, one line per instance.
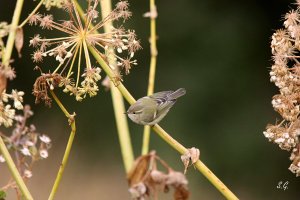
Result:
x=19 y=41
x=3 y=82
x=181 y=193
x=139 y=169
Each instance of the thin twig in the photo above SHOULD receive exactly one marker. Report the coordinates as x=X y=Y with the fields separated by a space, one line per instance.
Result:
x=32 y=13
x=68 y=148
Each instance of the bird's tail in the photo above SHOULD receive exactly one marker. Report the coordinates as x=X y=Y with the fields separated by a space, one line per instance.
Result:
x=178 y=93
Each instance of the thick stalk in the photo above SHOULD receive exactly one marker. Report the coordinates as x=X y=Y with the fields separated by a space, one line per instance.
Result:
x=68 y=148
x=153 y=51
x=117 y=98
x=163 y=134
x=6 y=58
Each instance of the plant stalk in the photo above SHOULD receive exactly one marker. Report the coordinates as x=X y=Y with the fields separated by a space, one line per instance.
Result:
x=117 y=98
x=153 y=51
x=32 y=13
x=5 y=60
x=14 y=171
x=163 y=134
x=68 y=148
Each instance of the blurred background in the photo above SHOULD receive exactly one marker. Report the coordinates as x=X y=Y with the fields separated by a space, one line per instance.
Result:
x=220 y=52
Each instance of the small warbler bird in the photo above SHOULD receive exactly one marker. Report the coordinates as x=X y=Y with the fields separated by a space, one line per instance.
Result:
x=150 y=110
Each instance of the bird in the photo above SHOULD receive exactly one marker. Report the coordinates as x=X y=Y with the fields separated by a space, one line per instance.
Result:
x=150 y=110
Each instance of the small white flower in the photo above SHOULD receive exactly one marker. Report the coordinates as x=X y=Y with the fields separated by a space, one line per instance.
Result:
x=29 y=143
x=286 y=135
x=2 y=159
x=7 y=115
x=25 y=151
x=44 y=153
x=27 y=173
x=17 y=96
x=45 y=139
x=279 y=140
x=69 y=54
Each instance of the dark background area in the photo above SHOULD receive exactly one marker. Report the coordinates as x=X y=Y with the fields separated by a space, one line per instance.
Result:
x=220 y=52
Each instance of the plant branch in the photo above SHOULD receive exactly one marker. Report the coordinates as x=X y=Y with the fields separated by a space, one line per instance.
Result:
x=153 y=51
x=12 y=33
x=118 y=101
x=68 y=148
x=163 y=134
x=14 y=171
x=32 y=13
x=5 y=60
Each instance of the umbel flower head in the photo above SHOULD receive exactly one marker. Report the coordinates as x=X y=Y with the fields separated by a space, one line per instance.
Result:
x=285 y=73
x=74 y=67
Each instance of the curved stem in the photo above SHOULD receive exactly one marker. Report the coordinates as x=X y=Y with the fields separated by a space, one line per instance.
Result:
x=163 y=134
x=32 y=13
x=153 y=50
x=68 y=148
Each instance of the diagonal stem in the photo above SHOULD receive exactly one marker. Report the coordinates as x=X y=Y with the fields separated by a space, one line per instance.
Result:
x=163 y=134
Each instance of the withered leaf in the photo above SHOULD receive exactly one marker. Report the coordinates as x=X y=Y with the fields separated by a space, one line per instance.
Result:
x=195 y=154
x=192 y=155
x=139 y=169
x=181 y=193
x=3 y=83
x=19 y=40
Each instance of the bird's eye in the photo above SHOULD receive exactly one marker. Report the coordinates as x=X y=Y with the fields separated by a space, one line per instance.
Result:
x=133 y=113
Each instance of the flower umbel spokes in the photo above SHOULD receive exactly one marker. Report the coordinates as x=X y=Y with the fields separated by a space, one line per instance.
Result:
x=80 y=77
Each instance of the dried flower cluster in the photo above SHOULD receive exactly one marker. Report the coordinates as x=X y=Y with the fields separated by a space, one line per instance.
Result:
x=7 y=112
x=4 y=29
x=145 y=180
x=29 y=146
x=285 y=73
x=71 y=52
x=191 y=156
x=53 y=3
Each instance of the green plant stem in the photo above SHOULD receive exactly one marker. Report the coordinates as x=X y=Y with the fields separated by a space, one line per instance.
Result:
x=68 y=148
x=163 y=134
x=32 y=13
x=153 y=51
x=12 y=33
x=5 y=60
x=13 y=169
x=118 y=101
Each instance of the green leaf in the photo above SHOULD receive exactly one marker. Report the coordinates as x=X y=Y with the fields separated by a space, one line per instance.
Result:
x=2 y=195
